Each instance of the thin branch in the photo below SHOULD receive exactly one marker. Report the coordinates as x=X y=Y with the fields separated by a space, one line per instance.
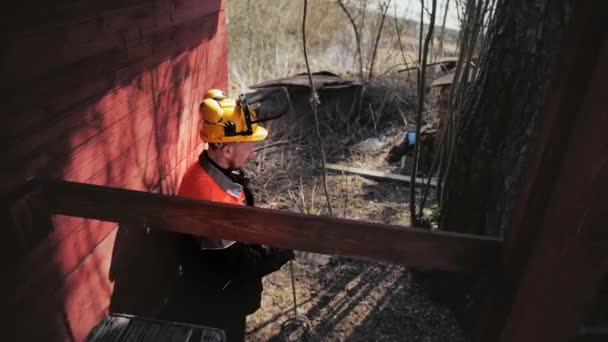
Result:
x=421 y=92
x=442 y=35
x=420 y=33
x=384 y=9
x=425 y=8
x=314 y=102
x=402 y=49
x=276 y=143
x=357 y=36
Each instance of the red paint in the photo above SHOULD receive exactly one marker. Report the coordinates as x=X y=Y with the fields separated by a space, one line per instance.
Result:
x=107 y=93
x=118 y=102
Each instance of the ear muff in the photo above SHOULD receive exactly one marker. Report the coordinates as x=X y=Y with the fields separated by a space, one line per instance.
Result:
x=215 y=94
x=211 y=111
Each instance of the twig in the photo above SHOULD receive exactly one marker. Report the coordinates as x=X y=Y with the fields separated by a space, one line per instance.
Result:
x=345 y=191
x=312 y=198
x=261 y=160
x=383 y=9
x=276 y=143
x=421 y=91
x=442 y=35
x=420 y=36
x=314 y=101
x=417 y=66
x=302 y=196
x=357 y=37
x=472 y=23
x=296 y=202
x=402 y=49
x=371 y=113
x=434 y=165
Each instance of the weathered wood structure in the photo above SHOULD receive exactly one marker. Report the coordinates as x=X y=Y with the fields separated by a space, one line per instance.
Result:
x=103 y=93
x=556 y=250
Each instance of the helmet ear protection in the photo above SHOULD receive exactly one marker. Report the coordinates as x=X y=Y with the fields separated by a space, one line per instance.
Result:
x=211 y=111
x=215 y=94
x=213 y=114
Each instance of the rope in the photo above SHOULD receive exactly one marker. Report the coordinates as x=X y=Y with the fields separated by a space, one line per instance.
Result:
x=297 y=323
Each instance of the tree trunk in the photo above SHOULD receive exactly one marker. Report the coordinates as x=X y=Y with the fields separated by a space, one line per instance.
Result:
x=499 y=115
x=494 y=128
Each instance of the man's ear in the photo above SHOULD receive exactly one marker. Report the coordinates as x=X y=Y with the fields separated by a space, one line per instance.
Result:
x=228 y=149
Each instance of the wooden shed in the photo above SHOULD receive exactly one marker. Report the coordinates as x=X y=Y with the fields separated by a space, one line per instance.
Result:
x=102 y=92
x=340 y=98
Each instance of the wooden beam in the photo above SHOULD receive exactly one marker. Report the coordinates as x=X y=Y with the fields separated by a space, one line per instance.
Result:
x=556 y=249
x=400 y=245
x=379 y=174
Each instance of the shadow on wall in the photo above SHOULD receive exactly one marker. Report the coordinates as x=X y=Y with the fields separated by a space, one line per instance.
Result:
x=108 y=104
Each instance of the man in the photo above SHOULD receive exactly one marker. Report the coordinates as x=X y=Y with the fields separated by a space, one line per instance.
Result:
x=221 y=281
x=429 y=133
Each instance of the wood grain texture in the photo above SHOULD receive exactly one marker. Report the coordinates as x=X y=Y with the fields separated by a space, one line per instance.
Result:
x=75 y=276
x=104 y=92
x=556 y=250
x=401 y=245
x=63 y=251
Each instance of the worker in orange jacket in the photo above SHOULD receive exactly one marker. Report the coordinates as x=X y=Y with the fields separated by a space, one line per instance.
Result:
x=221 y=280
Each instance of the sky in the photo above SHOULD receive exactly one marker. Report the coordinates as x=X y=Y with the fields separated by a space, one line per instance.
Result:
x=410 y=9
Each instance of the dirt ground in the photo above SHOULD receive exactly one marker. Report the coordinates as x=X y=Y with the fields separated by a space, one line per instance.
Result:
x=347 y=299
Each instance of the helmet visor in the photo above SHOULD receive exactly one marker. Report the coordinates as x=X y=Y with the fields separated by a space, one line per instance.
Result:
x=266 y=104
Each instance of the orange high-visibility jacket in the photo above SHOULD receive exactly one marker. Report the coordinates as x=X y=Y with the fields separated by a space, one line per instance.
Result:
x=204 y=181
x=220 y=275
x=198 y=183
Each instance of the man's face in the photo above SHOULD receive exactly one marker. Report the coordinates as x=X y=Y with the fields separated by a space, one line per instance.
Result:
x=238 y=154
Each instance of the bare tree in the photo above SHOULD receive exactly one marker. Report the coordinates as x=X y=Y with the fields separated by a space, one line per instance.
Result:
x=496 y=113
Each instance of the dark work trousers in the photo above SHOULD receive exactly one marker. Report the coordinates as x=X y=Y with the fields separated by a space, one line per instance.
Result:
x=208 y=312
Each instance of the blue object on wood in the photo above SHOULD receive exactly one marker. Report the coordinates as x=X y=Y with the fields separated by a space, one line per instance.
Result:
x=411 y=137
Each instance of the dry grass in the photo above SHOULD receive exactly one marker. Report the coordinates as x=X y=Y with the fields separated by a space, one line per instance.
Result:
x=265 y=41
x=345 y=299
x=348 y=299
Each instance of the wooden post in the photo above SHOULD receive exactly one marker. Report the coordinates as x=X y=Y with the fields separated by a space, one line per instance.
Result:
x=556 y=249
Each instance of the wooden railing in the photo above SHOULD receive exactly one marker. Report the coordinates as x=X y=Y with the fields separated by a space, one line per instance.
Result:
x=413 y=247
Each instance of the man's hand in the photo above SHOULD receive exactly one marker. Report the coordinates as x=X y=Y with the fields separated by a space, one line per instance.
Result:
x=274 y=259
x=284 y=255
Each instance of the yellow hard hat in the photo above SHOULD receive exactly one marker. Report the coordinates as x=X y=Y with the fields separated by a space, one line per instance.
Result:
x=225 y=121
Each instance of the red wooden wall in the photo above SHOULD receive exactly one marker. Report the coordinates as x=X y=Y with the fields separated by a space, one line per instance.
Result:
x=103 y=92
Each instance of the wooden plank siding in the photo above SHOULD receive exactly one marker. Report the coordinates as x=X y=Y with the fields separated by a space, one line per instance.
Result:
x=556 y=250
x=67 y=254
x=102 y=92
